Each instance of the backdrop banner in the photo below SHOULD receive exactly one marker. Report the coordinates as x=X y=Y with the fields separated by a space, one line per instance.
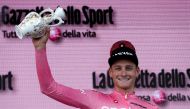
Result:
x=78 y=50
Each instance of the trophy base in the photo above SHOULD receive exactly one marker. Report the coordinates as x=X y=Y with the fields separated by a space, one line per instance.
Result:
x=18 y=32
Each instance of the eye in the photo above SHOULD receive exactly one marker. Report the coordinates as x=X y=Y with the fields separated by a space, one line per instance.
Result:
x=117 y=68
x=129 y=68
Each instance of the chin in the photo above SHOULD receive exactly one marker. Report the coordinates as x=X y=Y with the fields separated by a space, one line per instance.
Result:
x=124 y=86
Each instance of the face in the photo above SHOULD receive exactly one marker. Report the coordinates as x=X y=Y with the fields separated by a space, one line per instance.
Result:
x=124 y=74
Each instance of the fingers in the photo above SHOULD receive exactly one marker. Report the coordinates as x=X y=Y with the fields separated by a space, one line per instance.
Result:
x=44 y=37
x=47 y=32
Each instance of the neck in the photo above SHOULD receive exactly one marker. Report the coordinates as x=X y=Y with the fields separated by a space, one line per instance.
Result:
x=124 y=90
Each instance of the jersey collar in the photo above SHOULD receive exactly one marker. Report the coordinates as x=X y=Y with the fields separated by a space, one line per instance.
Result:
x=119 y=95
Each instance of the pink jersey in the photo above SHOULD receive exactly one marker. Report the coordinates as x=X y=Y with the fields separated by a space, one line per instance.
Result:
x=83 y=99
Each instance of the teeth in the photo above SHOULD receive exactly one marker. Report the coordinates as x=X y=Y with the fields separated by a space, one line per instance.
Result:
x=125 y=78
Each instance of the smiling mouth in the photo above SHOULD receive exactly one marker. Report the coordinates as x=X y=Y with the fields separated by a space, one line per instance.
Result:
x=124 y=78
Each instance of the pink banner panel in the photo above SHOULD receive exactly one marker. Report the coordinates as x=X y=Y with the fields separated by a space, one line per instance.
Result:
x=159 y=29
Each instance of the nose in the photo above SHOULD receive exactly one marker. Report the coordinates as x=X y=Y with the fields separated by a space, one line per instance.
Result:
x=123 y=72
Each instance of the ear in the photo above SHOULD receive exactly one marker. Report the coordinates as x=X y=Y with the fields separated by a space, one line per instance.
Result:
x=137 y=71
x=110 y=72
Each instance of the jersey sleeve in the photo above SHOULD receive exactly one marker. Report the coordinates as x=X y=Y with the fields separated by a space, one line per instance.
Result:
x=72 y=97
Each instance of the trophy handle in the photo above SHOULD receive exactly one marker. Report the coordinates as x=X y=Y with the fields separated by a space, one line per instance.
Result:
x=32 y=14
x=59 y=19
x=47 y=10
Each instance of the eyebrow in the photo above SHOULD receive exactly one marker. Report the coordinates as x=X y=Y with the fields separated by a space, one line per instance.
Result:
x=121 y=66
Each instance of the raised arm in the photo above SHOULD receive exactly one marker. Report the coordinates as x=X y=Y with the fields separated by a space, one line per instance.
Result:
x=64 y=94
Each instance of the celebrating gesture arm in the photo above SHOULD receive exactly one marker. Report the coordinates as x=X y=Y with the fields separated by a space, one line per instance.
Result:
x=49 y=86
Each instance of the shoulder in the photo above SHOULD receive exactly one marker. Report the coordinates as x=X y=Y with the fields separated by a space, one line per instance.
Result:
x=100 y=94
x=144 y=104
x=92 y=92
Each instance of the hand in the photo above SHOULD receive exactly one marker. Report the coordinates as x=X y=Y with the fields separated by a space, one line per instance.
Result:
x=40 y=43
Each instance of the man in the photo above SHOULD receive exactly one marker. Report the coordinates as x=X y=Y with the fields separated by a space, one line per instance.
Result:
x=123 y=70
